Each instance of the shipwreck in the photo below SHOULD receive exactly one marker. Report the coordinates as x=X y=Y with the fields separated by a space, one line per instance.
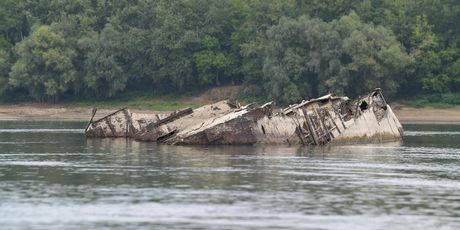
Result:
x=319 y=121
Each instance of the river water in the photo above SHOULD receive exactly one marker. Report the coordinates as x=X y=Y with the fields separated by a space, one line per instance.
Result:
x=52 y=177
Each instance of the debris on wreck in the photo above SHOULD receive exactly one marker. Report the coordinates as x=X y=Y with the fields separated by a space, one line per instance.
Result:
x=319 y=121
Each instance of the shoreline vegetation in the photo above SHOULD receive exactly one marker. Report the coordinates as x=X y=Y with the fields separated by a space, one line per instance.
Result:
x=80 y=51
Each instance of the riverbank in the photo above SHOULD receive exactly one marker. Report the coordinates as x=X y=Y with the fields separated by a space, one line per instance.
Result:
x=40 y=111
x=46 y=112
x=81 y=110
x=428 y=115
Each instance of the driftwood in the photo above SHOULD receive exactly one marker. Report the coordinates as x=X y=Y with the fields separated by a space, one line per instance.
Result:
x=328 y=119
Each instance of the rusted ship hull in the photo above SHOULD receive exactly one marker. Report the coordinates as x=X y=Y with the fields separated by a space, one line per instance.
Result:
x=319 y=121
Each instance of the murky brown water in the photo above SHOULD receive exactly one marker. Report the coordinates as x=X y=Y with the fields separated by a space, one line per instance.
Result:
x=51 y=177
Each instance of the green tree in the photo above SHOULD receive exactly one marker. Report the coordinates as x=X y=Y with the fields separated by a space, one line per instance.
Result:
x=252 y=18
x=376 y=58
x=327 y=10
x=438 y=70
x=308 y=57
x=14 y=24
x=212 y=63
x=44 y=66
x=286 y=50
x=4 y=69
x=104 y=72
x=435 y=65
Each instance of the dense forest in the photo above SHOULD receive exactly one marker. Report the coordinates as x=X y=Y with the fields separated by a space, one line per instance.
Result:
x=284 y=50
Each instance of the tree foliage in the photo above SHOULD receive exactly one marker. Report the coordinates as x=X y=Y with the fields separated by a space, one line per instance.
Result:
x=281 y=50
x=104 y=59
x=45 y=64
x=4 y=69
x=308 y=57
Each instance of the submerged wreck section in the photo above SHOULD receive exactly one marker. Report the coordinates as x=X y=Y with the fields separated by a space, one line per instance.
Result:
x=328 y=119
x=121 y=123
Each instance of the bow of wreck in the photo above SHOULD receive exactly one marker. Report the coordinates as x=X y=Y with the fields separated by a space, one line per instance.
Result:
x=319 y=121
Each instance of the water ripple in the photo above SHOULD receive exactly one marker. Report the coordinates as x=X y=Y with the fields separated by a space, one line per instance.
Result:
x=42 y=130
x=430 y=133
x=66 y=182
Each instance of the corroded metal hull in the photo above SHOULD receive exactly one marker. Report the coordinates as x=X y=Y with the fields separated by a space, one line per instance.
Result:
x=319 y=121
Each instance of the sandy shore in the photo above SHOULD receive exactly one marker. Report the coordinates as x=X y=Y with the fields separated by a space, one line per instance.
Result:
x=46 y=112
x=408 y=115
x=37 y=111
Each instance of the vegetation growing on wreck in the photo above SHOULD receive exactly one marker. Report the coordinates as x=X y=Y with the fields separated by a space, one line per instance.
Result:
x=81 y=50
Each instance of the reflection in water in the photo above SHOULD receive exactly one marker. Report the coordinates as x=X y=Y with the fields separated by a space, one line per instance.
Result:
x=59 y=179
